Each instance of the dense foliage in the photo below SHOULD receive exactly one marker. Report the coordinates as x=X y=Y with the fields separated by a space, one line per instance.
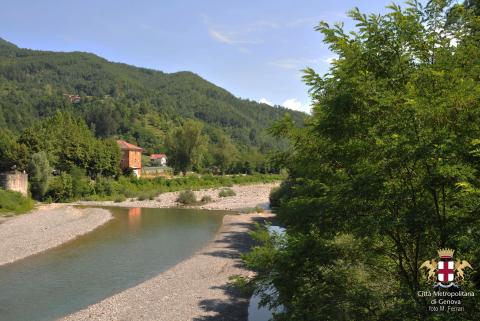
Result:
x=69 y=143
x=385 y=172
x=186 y=145
x=137 y=104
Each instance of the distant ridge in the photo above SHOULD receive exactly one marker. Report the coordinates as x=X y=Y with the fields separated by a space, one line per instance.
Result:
x=124 y=101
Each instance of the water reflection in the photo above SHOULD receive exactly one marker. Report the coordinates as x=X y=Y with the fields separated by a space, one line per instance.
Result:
x=134 y=218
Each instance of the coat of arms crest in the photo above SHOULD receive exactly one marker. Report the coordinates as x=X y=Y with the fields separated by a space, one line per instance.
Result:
x=445 y=272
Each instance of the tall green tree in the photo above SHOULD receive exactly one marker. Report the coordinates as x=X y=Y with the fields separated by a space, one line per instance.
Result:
x=39 y=174
x=13 y=154
x=69 y=143
x=385 y=172
x=224 y=152
x=186 y=145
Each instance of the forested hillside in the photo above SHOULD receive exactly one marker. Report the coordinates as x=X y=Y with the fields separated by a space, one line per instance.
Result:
x=118 y=100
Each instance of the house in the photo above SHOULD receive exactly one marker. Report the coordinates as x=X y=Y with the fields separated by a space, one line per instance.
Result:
x=73 y=98
x=131 y=157
x=158 y=159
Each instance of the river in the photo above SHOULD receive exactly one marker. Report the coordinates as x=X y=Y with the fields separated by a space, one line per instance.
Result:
x=135 y=246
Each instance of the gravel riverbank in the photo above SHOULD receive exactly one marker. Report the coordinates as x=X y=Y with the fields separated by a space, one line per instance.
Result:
x=196 y=289
x=247 y=196
x=29 y=234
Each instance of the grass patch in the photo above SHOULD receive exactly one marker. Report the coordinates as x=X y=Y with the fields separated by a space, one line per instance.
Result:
x=120 y=198
x=226 y=192
x=14 y=202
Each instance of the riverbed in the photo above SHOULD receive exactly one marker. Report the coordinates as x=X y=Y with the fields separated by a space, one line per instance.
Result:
x=135 y=246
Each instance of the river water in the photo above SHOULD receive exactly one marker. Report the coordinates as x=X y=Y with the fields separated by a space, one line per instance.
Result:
x=137 y=245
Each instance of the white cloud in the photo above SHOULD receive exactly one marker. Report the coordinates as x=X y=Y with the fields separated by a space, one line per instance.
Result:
x=231 y=38
x=243 y=34
x=265 y=101
x=292 y=103
x=217 y=35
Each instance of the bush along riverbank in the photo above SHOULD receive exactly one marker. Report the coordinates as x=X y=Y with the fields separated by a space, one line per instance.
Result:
x=118 y=190
x=14 y=203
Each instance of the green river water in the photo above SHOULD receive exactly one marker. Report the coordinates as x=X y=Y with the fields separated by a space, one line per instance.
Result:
x=137 y=245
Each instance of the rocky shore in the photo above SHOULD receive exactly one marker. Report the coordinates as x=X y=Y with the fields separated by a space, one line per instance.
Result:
x=29 y=234
x=247 y=196
x=196 y=289
x=199 y=288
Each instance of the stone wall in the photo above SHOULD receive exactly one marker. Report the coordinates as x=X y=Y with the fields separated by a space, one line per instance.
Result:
x=14 y=181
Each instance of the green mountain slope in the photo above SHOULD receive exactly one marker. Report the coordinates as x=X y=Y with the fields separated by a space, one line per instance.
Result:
x=120 y=100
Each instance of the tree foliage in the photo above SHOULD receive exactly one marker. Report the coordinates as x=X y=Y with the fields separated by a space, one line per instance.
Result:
x=12 y=153
x=385 y=172
x=136 y=104
x=69 y=143
x=186 y=144
x=39 y=174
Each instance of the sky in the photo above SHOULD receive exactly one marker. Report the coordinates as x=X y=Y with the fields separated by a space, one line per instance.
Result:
x=253 y=49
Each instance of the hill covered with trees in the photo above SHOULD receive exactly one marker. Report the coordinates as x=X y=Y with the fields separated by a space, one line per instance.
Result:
x=118 y=100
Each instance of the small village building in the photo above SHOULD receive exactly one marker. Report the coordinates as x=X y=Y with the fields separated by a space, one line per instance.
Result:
x=131 y=157
x=158 y=159
x=73 y=98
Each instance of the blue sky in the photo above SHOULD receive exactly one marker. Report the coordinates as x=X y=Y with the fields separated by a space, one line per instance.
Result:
x=254 y=49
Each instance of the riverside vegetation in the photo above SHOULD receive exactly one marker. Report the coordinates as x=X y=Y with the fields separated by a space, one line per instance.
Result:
x=385 y=172
x=87 y=167
x=201 y=127
x=145 y=107
x=14 y=202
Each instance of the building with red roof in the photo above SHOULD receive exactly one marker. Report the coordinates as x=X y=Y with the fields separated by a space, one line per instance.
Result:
x=131 y=157
x=158 y=159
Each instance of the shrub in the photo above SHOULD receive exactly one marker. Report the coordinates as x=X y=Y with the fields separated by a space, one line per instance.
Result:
x=187 y=198
x=142 y=197
x=206 y=199
x=226 y=192
x=82 y=185
x=259 y=209
x=279 y=193
x=14 y=202
x=61 y=188
x=120 y=198
x=105 y=186
x=150 y=195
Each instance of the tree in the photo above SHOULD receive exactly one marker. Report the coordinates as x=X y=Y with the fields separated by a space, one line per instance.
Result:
x=12 y=153
x=224 y=153
x=384 y=173
x=69 y=143
x=39 y=173
x=186 y=145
